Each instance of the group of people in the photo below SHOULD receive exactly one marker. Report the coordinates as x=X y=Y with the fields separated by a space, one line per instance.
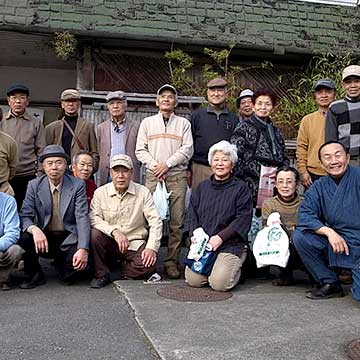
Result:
x=59 y=212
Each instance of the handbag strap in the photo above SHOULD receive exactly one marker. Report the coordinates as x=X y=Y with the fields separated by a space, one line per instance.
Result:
x=73 y=134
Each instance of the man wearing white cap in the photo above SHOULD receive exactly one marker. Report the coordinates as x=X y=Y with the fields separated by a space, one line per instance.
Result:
x=244 y=104
x=343 y=117
x=117 y=136
x=311 y=134
x=73 y=132
x=125 y=225
x=165 y=146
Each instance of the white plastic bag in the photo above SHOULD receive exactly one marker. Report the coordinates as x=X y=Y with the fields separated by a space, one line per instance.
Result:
x=197 y=247
x=271 y=246
x=161 y=200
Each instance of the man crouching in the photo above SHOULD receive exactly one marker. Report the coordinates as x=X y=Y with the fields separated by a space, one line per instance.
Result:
x=123 y=216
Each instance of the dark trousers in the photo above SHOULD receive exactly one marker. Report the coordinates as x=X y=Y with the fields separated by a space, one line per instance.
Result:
x=294 y=263
x=19 y=185
x=315 y=177
x=106 y=251
x=63 y=258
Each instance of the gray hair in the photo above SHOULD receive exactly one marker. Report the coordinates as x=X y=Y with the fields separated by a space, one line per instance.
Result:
x=75 y=158
x=226 y=148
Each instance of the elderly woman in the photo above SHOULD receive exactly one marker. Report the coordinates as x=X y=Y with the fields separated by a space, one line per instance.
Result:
x=259 y=143
x=222 y=206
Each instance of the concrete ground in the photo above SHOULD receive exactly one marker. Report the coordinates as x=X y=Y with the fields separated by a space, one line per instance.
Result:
x=260 y=322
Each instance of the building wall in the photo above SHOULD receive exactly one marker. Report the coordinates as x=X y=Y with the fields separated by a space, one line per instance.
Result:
x=270 y=25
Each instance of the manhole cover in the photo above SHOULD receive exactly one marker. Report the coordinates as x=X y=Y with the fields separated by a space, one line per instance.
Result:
x=353 y=350
x=189 y=294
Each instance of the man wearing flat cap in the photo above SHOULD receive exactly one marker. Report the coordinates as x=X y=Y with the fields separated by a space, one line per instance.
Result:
x=209 y=126
x=125 y=225
x=73 y=132
x=343 y=118
x=54 y=220
x=117 y=136
x=165 y=146
x=311 y=134
x=244 y=104
x=29 y=135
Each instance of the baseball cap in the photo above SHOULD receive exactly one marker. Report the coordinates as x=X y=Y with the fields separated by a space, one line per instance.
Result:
x=243 y=94
x=166 y=87
x=115 y=95
x=70 y=94
x=328 y=83
x=352 y=70
x=121 y=160
x=18 y=88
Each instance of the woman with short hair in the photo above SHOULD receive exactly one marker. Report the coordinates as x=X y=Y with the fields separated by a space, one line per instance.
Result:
x=222 y=206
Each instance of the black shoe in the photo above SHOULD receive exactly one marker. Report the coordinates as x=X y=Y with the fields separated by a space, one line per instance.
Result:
x=36 y=280
x=98 y=283
x=326 y=291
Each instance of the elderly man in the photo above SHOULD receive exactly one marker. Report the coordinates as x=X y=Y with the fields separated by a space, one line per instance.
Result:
x=312 y=134
x=125 y=225
x=165 y=146
x=8 y=160
x=73 y=132
x=29 y=135
x=10 y=253
x=117 y=136
x=343 y=117
x=328 y=223
x=209 y=126
x=55 y=223
x=244 y=104
x=82 y=167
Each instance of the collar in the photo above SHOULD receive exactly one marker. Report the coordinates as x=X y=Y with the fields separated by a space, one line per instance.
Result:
x=210 y=109
x=25 y=116
x=122 y=122
x=53 y=187
x=130 y=190
x=295 y=200
x=354 y=100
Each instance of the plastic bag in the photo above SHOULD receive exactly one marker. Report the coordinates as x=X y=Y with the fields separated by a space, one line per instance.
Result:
x=271 y=246
x=161 y=200
x=197 y=247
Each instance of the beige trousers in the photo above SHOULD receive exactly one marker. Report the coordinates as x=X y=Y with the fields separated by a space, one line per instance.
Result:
x=225 y=273
x=177 y=185
x=199 y=174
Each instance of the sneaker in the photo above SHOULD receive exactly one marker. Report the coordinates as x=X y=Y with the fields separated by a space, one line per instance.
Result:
x=98 y=283
x=36 y=280
x=172 y=271
x=326 y=291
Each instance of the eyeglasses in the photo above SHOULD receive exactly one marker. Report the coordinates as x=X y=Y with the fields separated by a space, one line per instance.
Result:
x=285 y=182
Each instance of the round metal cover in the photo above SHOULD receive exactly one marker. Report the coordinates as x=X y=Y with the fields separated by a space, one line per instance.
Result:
x=353 y=350
x=189 y=294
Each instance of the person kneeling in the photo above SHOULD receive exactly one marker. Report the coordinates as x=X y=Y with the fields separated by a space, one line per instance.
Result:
x=123 y=215
x=222 y=206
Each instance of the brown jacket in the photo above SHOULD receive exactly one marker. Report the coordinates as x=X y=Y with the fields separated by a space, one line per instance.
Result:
x=103 y=134
x=85 y=132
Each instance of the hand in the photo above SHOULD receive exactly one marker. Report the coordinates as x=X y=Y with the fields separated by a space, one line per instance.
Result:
x=148 y=257
x=80 y=259
x=121 y=239
x=215 y=242
x=40 y=240
x=305 y=179
x=337 y=243
x=160 y=170
x=189 y=178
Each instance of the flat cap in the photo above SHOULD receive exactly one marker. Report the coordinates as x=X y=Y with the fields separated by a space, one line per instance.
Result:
x=18 y=88
x=115 y=95
x=166 y=87
x=53 y=151
x=70 y=94
x=121 y=160
x=327 y=83
x=217 y=82
x=352 y=70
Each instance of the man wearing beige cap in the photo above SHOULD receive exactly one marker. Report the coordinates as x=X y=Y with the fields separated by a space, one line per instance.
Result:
x=165 y=146
x=209 y=126
x=117 y=136
x=125 y=225
x=343 y=117
x=29 y=135
x=73 y=132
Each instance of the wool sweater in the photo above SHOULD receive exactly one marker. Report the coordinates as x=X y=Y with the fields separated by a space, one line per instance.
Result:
x=311 y=136
x=169 y=142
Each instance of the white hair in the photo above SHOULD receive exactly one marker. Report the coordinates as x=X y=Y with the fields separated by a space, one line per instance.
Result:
x=226 y=148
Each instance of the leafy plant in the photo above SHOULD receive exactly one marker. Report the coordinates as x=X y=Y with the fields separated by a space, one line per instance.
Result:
x=65 y=45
